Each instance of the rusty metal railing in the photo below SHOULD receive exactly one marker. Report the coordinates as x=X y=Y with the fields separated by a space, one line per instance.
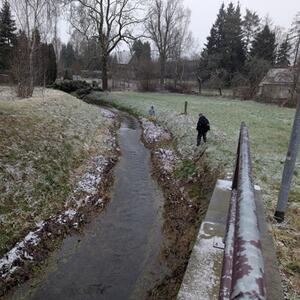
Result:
x=243 y=267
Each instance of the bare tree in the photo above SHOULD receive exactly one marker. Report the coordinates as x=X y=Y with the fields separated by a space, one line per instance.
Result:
x=167 y=25
x=182 y=43
x=109 y=21
x=32 y=16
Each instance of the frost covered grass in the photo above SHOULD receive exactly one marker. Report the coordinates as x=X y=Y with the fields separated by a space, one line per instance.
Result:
x=269 y=129
x=43 y=140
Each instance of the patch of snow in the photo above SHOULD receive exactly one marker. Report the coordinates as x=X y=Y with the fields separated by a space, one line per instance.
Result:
x=257 y=187
x=168 y=159
x=18 y=253
x=224 y=185
x=32 y=238
x=93 y=176
x=99 y=202
x=70 y=213
x=107 y=114
x=154 y=133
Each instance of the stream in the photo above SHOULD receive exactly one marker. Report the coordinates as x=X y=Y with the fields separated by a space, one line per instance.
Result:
x=117 y=254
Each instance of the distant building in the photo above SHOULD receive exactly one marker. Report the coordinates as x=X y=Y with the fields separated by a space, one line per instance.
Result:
x=277 y=85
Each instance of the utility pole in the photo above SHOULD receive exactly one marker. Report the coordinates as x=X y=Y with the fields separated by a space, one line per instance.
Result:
x=289 y=167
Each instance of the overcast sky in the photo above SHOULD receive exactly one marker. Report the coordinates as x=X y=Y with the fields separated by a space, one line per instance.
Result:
x=204 y=14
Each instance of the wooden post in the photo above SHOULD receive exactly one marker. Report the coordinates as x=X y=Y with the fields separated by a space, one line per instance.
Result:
x=185 y=107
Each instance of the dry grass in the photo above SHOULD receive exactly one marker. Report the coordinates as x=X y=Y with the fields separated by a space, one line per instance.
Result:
x=42 y=140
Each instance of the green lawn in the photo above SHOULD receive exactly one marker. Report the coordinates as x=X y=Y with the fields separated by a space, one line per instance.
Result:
x=269 y=128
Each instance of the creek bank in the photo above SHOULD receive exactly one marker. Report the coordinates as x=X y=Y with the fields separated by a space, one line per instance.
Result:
x=91 y=182
x=117 y=254
x=187 y=186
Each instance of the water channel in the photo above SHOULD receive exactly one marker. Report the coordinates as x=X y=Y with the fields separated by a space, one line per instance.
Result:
x=117 y=254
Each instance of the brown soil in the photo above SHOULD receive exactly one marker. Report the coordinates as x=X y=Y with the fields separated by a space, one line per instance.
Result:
x=186 y=202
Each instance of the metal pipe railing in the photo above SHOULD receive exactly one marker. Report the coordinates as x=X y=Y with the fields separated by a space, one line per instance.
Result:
x=243 y=267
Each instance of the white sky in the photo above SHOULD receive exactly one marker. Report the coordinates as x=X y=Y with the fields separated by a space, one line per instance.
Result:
x=204 y=14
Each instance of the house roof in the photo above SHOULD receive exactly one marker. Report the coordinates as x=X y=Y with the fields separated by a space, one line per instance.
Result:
x=278 y=76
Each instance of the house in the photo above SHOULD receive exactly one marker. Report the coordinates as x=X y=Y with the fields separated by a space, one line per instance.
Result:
x=277 y=85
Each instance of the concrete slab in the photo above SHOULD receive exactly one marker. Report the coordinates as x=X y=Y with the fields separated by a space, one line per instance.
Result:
x=202 y=277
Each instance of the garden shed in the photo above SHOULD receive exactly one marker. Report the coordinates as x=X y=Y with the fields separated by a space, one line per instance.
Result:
x=277 y=85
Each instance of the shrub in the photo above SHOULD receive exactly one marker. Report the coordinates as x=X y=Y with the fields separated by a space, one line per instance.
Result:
x=70 y=86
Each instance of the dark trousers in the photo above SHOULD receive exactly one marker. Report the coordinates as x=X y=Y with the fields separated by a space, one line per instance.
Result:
x=199 y=137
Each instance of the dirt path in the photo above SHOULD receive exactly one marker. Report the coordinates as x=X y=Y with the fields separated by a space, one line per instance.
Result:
x=116 y=257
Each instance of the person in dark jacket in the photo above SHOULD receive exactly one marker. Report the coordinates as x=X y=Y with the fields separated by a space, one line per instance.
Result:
x=202 y=128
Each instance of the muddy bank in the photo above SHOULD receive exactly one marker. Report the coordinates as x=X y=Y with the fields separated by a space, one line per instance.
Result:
x=187 y=195
x=91 y=180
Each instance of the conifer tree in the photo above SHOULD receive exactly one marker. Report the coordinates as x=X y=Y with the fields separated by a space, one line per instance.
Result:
x=264 y=45
x=7 y=35
x=250 y=26
x=283 y=55
x=214 y=41
x=52 y=65
x=232 y=49
x=225 y=50
x=67 y=55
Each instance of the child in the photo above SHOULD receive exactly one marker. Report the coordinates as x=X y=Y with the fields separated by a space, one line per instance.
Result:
x=152 y=116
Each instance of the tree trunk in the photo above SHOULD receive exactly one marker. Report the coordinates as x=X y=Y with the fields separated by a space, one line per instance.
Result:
x=104 y=74
x=162 y=71
x=199 y=79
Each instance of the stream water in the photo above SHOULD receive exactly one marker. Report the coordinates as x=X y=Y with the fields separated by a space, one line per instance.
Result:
x=117 y=255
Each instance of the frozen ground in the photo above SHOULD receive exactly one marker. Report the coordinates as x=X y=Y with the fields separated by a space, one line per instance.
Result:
x=53 y=146
x=269 y=128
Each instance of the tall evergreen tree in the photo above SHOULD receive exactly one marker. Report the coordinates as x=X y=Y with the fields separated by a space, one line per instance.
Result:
x=264 y=45
x=283 y=55
x=52 y=66
x=7 y=35
x=232 y=49
x=214 y=41
x=141 y=51
x=67 y=55
x=225 y=51
x=250 y=26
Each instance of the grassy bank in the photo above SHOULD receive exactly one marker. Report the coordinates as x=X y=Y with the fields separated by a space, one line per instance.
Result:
x=42 y=141
x=269 y=128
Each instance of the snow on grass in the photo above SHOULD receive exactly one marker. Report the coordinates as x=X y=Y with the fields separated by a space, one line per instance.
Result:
x=91 y=179
x=107 y=113
x=154 y=133
x=269 y=128
x=168 y=159
x=45 y=140
x=19 y=252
